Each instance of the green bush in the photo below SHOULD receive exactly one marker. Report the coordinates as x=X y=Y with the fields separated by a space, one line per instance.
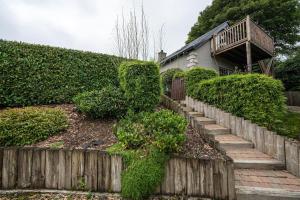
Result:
x=36 y=74
x=163 y=129
x=130 y=131
x=167 y=77
x=141 y=83
x=167 y=129
x=179 y=75
x=195 y=75
x=108 y=102
x=143 y=176
x=25 y=126
x=255 y=97
x=288 y=72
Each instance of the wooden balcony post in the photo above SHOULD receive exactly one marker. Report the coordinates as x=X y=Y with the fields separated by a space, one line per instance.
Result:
x=249 y=57
x=248 y=28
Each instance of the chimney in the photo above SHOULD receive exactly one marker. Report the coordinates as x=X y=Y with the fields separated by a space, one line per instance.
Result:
x=161 y=55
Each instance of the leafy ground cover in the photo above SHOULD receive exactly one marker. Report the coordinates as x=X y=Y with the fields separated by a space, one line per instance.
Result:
x=25 y=126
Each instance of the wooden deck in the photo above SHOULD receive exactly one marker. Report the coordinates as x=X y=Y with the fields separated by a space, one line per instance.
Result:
x=244 y=42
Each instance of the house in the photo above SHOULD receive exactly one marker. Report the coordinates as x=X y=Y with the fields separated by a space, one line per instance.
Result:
x=225 y=49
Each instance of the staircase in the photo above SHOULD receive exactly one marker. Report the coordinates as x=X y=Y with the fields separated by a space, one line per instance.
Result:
x=258 y=176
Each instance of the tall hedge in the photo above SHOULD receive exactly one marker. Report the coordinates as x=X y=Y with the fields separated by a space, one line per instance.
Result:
x=36 y=74
x=256 y=97
x=195 y=75
x=141 y=84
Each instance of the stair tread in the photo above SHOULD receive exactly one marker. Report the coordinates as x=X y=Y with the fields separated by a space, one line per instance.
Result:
x=231 y=139
x=204 y=119
x=248 y=154
x=214 y=127
x=272 y=179
x=194 y=113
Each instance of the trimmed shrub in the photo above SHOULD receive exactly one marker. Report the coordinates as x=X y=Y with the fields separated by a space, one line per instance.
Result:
x=195 y=75
x=163 y=129
x=167 y=78
x=255 y=97
x=141 y=83
x=108 y=102
x=130 y=131
x=25 y=126
x=36 y=74
x=143 y=176
x=167 y=128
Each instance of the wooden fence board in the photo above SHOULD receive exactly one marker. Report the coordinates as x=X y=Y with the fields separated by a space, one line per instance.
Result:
x=116 y=169
x=62 y=169
x=68 y=169
x=38 y=168
x=90 y=170
x=24 y=168
x=202 y=178
x=168 y=185
x=180 y=176
x=193 y=177
x=78 y=169
x=230 y=180
x=217 y=181
x=1 y=166
x=51 y=169
x=104 y=170
x=223 y=179
x=9 y=170
x=209 y=184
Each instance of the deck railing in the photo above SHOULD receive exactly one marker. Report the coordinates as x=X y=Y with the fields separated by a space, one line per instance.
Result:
x=245 y=30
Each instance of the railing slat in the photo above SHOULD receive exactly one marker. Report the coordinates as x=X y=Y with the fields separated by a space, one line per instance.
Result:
x=237 y=34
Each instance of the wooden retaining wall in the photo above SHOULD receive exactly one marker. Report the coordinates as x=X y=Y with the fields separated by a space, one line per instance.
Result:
x=93 y=170
x=268 y=142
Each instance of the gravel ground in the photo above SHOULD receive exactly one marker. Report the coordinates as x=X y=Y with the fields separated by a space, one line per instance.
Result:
x=81 y=196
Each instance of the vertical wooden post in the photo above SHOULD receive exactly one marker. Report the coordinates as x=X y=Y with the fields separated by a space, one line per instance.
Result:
x=249 y=57
x=248 y=45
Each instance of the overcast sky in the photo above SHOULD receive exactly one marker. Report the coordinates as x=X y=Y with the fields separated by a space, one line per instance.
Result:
x=89 y=24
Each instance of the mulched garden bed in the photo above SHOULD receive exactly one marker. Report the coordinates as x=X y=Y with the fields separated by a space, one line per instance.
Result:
x=84 y=133
x=196 y=147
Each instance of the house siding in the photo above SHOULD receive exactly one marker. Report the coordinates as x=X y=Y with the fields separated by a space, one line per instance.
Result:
x=204 y=59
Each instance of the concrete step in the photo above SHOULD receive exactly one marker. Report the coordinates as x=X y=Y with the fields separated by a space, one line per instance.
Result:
x=195 y=114
x=266 y=184
x=215 y=129
x=192 y=115
x=203 y=121
x=182 y=103
x=249 y=158
x=230 y=141
x=187 y=109
x=257 y=193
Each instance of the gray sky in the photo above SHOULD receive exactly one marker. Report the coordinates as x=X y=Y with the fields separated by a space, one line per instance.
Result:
x=89 y=24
